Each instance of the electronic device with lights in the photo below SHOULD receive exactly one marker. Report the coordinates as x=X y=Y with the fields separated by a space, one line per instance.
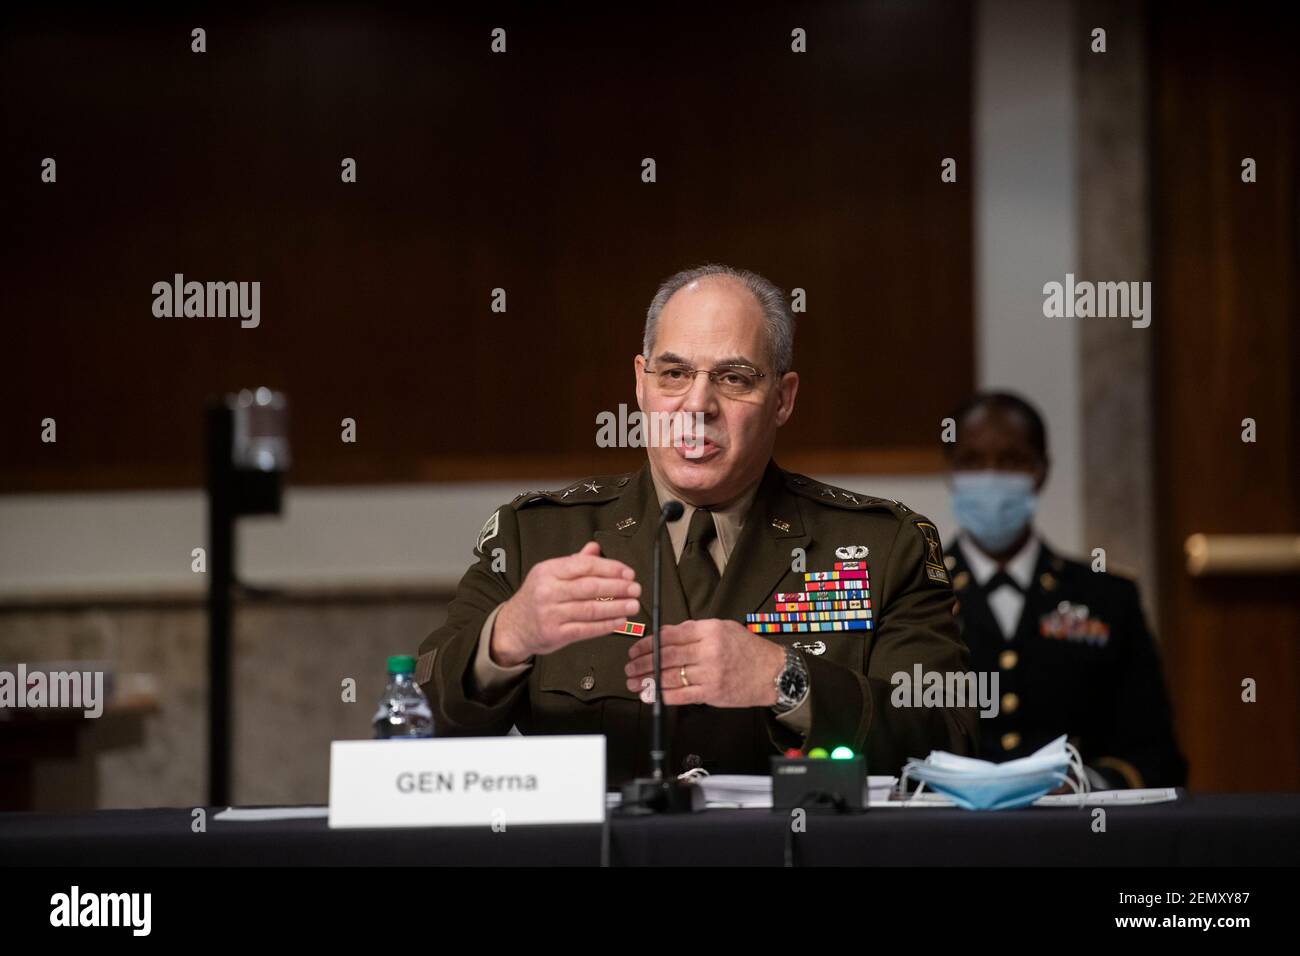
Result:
x=820 y=782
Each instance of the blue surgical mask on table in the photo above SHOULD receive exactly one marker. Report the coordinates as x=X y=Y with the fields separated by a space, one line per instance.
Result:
x=982 y=785
x=993 y=506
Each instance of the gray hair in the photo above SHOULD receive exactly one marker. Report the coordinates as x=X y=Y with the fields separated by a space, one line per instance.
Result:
x=777 y=315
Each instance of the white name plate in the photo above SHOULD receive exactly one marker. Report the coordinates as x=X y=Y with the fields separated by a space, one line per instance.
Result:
x=467 y=781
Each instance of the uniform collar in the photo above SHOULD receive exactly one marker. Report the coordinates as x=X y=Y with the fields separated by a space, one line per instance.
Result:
x=729 y=519
x=1020 y=568
x=770 y=532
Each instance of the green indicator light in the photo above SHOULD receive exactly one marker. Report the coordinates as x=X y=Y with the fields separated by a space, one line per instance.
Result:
x=818 y=753
x=841 y=753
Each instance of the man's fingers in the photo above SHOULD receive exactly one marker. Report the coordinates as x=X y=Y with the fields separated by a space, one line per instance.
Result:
x=590 y=588
x=586 y=563
x=673 y=696
x=668 y=634
x=672 y=657
x=597 y=610
x=678 y=696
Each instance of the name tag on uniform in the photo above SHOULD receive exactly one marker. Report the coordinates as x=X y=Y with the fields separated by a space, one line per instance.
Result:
x=494 y=782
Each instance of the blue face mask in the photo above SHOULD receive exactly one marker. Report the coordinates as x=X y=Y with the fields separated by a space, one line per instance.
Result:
x=981 y=785
x=993 y=507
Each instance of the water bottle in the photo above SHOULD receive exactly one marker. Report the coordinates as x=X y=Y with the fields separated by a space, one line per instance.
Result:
x=404 y=710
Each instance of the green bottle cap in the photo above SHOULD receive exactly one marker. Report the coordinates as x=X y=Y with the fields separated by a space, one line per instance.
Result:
x=401 y=664
x=818 y=753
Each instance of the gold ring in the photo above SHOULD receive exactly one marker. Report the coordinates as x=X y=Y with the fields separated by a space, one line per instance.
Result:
x=685 y=682
x=604 y=599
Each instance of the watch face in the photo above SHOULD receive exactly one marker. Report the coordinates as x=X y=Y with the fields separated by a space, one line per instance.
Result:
x=793 y=684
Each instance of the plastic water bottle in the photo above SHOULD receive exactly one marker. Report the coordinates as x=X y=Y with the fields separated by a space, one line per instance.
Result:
x=404 y=710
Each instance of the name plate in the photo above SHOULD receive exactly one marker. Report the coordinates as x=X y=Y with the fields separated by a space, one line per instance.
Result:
x=467 y=781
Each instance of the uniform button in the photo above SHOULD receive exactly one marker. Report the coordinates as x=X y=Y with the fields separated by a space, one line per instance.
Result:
x=1010 y=741
x=1008 y=660
x=692 y=762
x=1009 y=703
x=587 y=683
x=1047 y=581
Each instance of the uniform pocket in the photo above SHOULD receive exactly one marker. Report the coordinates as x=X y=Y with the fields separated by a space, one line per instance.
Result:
x=574 y=682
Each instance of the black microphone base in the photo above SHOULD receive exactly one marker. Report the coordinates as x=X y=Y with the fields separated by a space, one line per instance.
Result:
x=645 y=796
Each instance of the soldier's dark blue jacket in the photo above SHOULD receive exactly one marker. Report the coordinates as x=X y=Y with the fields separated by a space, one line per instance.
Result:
x=1081 y=662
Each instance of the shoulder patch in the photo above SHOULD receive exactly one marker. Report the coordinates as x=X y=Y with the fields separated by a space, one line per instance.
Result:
x=585 y=492
x=490 y=529
x=935 y=567
x=424 y=667
x=839 y=497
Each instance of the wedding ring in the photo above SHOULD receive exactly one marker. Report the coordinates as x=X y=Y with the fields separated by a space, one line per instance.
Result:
x=685 y=682
x=604 y=599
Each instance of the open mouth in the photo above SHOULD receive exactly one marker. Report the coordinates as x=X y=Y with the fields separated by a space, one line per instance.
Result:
x=698 y=449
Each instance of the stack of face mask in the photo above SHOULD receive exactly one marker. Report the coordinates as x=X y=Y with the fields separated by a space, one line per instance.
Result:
x=983 y=785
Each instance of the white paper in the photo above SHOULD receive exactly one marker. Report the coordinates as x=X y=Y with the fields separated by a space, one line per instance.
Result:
x=258 y=814
x=1110 y=798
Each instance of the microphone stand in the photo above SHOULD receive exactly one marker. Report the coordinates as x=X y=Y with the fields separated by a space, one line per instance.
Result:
x=659 y=793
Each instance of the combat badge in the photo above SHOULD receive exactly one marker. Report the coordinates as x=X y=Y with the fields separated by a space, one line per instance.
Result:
x=933 y=560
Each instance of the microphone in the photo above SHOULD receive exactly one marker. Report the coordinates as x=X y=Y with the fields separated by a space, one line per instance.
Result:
x=671 y=511
x=660 y=793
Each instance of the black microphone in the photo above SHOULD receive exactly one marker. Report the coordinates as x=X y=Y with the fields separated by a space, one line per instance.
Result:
x=671 y=511
x=660 y=793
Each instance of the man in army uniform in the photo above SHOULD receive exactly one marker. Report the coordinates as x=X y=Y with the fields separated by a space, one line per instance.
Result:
x=547 y=631
x=1070 y=644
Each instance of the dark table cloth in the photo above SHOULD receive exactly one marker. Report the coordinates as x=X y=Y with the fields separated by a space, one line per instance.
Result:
x=1198 y=830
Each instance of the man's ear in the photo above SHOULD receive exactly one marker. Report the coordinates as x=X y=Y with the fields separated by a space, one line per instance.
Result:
x=786 y=390
x=639 y=366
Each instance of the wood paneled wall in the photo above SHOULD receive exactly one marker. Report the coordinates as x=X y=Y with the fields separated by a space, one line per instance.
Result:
x=476 y=171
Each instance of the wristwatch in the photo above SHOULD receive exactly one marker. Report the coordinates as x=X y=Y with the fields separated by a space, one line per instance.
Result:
x=792 y=683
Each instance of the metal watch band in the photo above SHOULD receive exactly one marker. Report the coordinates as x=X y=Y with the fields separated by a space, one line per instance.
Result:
x=793 y=662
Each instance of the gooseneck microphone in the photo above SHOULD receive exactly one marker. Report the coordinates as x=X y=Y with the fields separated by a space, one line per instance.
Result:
x=671 y=511
x=660 y=793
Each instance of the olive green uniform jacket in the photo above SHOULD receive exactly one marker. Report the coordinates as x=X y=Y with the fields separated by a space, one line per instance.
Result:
x=795 y=524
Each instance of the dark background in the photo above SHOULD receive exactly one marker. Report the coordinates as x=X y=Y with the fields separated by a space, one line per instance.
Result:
x=475 y=171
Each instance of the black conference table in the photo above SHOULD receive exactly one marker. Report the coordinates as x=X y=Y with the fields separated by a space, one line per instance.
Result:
x=1197 y=830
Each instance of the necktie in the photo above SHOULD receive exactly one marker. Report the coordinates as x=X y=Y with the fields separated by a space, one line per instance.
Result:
x=999 y=579
x=698 y=574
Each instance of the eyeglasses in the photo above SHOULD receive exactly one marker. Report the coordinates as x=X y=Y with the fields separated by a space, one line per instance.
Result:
x=731 y=380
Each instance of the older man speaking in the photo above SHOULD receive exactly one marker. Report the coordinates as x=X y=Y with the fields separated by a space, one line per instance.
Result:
x=788 y=604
